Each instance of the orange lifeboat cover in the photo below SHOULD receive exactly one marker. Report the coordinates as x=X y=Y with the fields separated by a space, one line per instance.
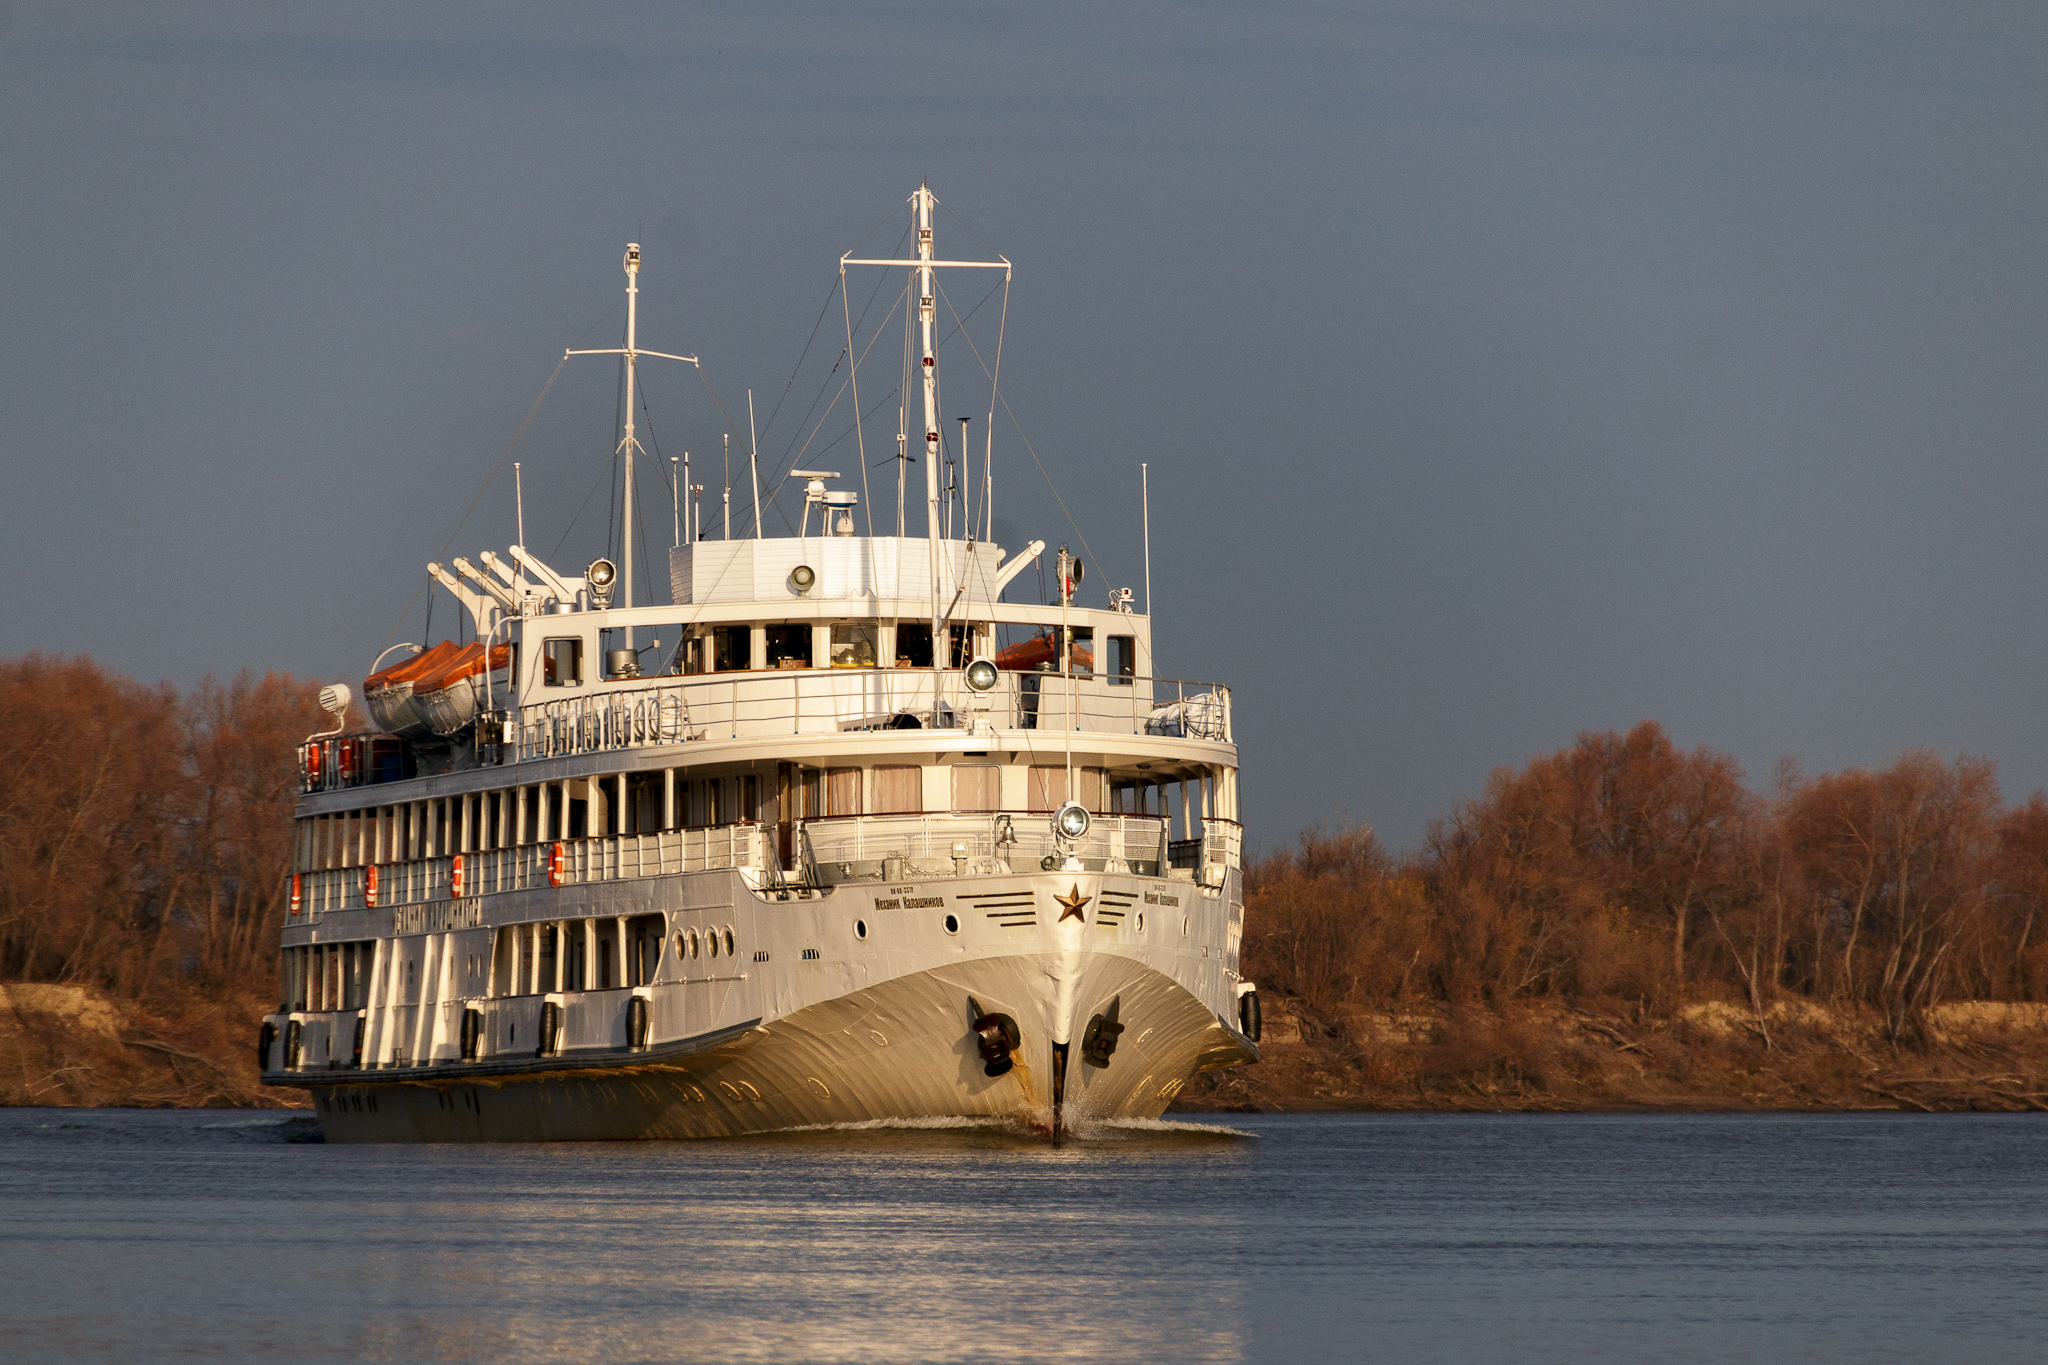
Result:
x=410 y=669
x=1026 y=655
x=466 y=662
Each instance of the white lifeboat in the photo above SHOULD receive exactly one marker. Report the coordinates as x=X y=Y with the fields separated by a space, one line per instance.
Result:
x=447 y=700
x=388 y=692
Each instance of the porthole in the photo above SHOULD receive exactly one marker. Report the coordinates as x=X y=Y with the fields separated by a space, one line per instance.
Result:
x=728 y=943
x=712 y=940
x=952 y=924
x=693 y=943
x=1183 y=926
x=860 y=928
x=1141 y=921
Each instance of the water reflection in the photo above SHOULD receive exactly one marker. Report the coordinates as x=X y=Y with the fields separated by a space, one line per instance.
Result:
x=129 y=1235
x=975 y=1242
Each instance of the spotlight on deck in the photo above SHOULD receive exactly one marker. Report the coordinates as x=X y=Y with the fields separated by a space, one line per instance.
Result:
x=1070 y=821
x=981 y=675
x=802 y=579
x=601 y=575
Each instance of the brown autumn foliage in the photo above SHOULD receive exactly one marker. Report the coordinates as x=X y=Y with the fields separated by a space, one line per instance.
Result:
x=1624 y=872
x=143 y=846
x=1577 y=914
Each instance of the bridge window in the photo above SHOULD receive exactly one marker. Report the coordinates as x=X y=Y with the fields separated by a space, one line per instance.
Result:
x=562 y=661
x=789 y=646
x=1083 y=660
x=732 y=648
x=914 y=644
x=853 y=644
x=1123 y=659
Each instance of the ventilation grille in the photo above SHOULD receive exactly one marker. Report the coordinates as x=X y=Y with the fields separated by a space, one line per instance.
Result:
x=1011 y=909
x=1110 y=910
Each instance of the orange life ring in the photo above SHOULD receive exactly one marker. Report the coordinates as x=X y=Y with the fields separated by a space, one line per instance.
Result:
x=557 y=863
x=370 y=886
x=455 y=876
x=295 y=894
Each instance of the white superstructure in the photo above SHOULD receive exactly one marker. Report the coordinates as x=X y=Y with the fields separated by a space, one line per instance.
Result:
x=836 y=834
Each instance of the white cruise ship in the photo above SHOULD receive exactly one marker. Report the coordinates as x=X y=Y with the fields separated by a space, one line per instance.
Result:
x=858 y=839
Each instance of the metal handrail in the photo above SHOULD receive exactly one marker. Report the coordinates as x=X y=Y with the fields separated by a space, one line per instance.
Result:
x=765 y=704
x=419 y=892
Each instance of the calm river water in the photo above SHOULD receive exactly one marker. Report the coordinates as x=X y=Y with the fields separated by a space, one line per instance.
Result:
x=150 y=1235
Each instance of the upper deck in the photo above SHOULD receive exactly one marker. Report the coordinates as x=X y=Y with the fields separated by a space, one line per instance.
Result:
x=749 y=657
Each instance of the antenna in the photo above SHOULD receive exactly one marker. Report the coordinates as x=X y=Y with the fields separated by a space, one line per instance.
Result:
x=675 y=498
x=1145 y=500
x=728 y=485
x=519 y=500
x=754 y=461
x=966 y=481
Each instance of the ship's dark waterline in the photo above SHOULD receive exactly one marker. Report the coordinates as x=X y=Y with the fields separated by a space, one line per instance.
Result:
x=154 y=1235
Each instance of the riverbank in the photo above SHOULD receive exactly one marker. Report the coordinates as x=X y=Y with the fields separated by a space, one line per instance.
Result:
x=1707 y=1055
x=71 y=1046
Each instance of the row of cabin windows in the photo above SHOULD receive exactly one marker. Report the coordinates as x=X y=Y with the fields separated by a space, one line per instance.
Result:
x=639 y=803
x=848 y=644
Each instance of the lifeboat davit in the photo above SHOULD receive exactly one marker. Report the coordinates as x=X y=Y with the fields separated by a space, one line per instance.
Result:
x=449 y=698
x=1026 y=655
x=388 y=692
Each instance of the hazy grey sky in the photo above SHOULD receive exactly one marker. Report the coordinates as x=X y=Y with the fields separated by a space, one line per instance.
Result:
x=1506 y=370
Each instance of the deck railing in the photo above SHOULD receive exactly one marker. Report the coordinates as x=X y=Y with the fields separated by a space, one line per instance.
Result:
x=832 y=701
x=932 y=843
x=425 y=883
x=421 y=894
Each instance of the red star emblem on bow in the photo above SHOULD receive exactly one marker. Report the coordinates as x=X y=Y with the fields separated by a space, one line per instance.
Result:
x=1073 y=901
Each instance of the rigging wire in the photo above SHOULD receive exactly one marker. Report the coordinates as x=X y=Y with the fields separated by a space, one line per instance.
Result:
x=1078 y=533
x=427 y=581
x=958 y=323
x=968 y=226
x=827 y=381
x=828 y=412
x=853 y=378
x=581 y=508
x=640 y=504
x=769 y=425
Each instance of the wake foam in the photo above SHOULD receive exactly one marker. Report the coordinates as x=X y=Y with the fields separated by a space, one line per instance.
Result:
x=1182 y=1126
x=929 y=1123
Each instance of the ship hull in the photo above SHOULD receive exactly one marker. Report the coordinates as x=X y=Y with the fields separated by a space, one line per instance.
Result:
x=902 y=1050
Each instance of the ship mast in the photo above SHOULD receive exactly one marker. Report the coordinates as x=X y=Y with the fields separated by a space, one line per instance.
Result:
x=630 y=443
x=627 y=445
x=925 y=262
x=927 y=300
